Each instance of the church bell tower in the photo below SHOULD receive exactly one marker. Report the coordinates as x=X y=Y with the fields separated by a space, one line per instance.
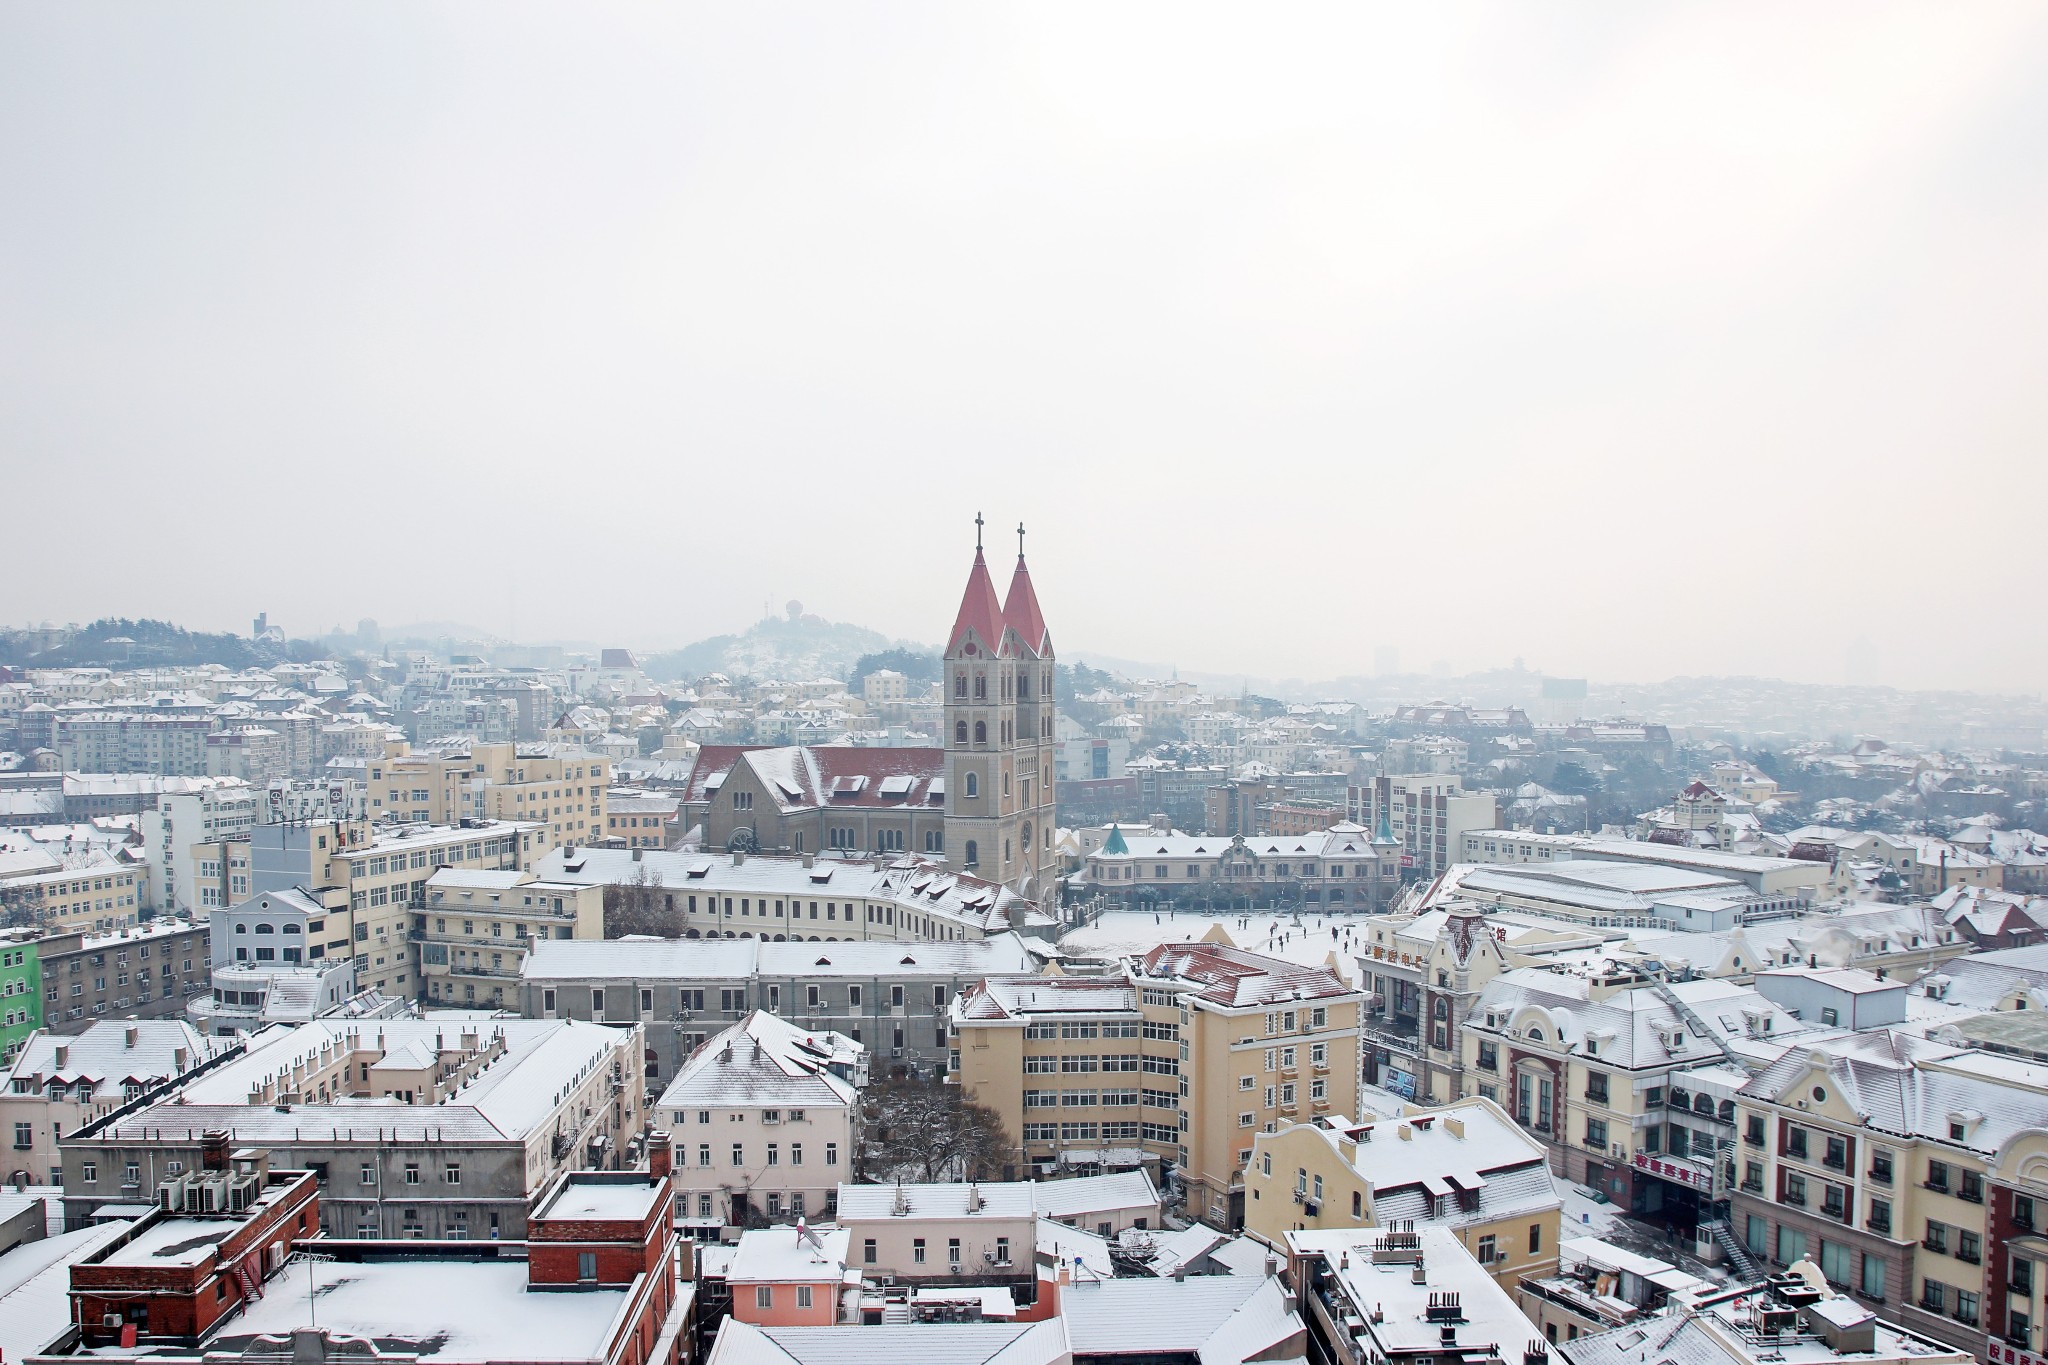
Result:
x=999 y=733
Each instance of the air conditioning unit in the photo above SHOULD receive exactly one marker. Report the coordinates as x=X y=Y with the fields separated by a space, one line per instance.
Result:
x=1614 y=1149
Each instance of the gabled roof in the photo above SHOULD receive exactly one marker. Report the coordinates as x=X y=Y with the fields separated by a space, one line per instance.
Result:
x=979 y=613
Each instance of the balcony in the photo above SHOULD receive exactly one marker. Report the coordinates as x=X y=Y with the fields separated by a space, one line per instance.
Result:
x=1881 y=1173
x=1797 y=1201
x=1881 y=1226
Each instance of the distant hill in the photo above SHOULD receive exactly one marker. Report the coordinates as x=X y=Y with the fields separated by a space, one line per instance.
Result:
x=114 y=643
x=792 y=648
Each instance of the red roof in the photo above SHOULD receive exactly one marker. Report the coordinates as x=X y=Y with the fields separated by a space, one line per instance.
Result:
x=1021 y=614
x=979 y=610
x=712 y=761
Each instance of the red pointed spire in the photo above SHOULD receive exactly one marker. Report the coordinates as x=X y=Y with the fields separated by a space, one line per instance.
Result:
x=979 y=610
x=1020 y=608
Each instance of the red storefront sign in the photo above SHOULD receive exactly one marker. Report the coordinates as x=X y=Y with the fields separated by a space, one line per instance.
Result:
x=1679 y=1171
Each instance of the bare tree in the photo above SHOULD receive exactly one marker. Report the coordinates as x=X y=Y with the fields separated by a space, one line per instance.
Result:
x=640 y=906
x=926 y=1130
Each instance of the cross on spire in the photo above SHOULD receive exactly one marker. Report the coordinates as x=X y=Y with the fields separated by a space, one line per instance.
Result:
x=977 y=530
x=1020 y=540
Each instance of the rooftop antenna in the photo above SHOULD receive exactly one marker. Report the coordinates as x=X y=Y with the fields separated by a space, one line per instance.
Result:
x=311 y=1259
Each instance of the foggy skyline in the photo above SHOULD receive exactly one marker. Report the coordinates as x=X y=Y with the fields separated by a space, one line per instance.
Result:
x=1630 y=342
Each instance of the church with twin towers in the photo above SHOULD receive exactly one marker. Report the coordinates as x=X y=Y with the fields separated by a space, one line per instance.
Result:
x=999 y=731
x=979 y=800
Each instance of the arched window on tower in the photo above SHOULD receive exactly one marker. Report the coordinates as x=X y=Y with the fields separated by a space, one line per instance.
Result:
x=959 y=684
x=960 y=733
x=1027 y=834
x=973 y=785
x=981 y=686
x=981 y=732
x=973 y=852
x=1006 y=783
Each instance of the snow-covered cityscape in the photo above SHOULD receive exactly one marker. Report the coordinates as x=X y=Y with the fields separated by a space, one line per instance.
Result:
x=690 y=687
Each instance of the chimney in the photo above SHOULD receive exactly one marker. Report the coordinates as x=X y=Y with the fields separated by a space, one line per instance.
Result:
x=1454 y=1126
x=1535 y=1352
x=63 y=1056
x=213 y=1150
x=739 y=857
x=132 y=1034
x=636 y=854
x=1180 y=1273
x=810 y=860
x=660 y=1155
x=180 y=1057
x=1407 y=1132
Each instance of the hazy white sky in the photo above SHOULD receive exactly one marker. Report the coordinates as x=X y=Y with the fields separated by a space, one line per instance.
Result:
x=1632 y=340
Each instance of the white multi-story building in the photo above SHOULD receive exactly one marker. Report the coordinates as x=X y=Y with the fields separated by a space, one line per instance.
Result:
x=204 y=811
x=763 y=1118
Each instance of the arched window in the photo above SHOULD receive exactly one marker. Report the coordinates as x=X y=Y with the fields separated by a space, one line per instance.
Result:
x=241 y=928
x=959 y=684
x=973 y=785
x=981 y=686
x=1006 y=782
x=960 y=733
x=265 y=929
x=1357 y=1204
x=291 y=929
x=973 y=853
x=1027 y=834
x=981 y=732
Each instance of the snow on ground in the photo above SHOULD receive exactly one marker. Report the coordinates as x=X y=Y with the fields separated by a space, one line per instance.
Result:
x=1306 y=938
x=1585 y=1217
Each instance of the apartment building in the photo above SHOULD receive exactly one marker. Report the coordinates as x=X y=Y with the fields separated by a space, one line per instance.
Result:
x=59 y=1083
x=1182 y=1058
x=1466 y=1167
x=894 y=999
x=149 y=972
x=828 y=900
x=557 y=786
x=224 y=1265
x=87 y=893
x=478 y=927
x=21 y=988
x=204 y=811
x=167 y=740
x=763 y=1117
x=368 y=882
x=1428 y=814
x=641 y=819
x=924 y=1235
x=416 y=1128
x=1381 y=1297
x=803 y=799
x=1594 y=1065
x=1908 y=1172
x=1342 y=868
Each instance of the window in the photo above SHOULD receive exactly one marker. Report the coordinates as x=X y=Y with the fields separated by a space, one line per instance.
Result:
x=867 y=1251
x=412 y=1172
x=1934 y=1296
x=1873 y=1276
x=738 y=1155
x=586 y=1265
x=1966 y=1307
x=1937 y=1176
x=1535 y=1238
x=764 y=1296
x=917 y=1250
x=803 y=1296
x=452 y=1175
x=952 y=1251
x=1002 y=1251
x=831 y=1154
x=1486 y=1252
